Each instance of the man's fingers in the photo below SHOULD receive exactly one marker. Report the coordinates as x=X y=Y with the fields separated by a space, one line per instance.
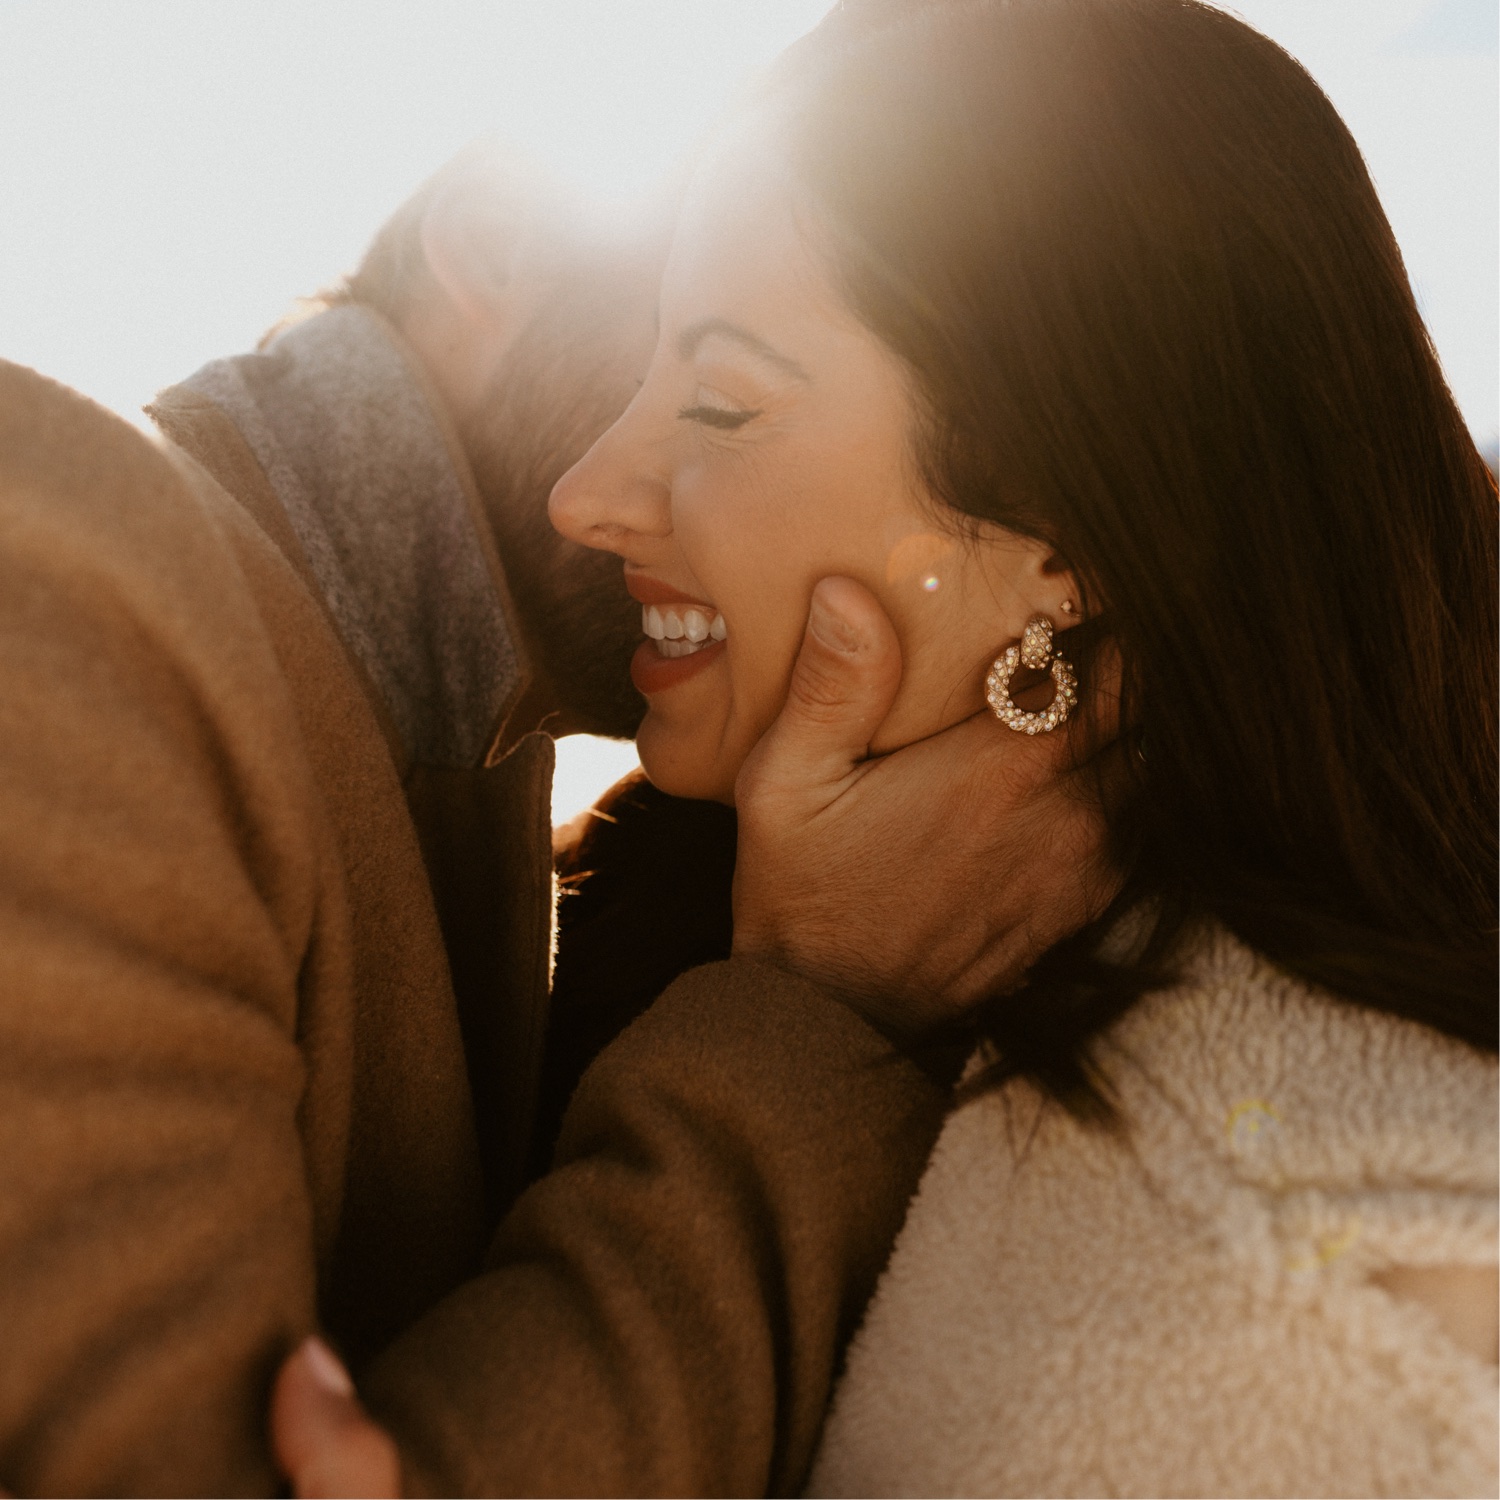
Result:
x=323 y=1440
x=842 y=686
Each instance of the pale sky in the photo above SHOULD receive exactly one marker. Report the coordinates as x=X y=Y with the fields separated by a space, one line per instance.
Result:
x=176 y=172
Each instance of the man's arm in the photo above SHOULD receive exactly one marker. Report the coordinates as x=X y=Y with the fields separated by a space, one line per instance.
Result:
x=664 y=1312
x=734 y=1169
x=735 y=1166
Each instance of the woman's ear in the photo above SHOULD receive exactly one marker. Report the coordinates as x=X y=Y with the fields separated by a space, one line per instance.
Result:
x=1050 y=587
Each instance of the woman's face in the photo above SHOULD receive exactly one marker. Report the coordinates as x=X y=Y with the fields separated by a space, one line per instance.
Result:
x=769 y=446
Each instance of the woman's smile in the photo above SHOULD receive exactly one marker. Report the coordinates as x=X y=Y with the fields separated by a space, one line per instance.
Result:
x=683 y=635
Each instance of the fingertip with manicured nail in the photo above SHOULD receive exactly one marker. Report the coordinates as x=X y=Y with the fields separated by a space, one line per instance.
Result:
x=325 y=1367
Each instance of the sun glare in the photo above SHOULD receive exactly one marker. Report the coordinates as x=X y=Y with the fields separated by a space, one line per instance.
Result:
x=611 y=95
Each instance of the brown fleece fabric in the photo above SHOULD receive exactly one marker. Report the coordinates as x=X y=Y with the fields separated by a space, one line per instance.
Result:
x=235 y=1098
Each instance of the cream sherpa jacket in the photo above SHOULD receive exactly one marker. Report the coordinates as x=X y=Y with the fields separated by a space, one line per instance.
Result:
x=1187 y=1309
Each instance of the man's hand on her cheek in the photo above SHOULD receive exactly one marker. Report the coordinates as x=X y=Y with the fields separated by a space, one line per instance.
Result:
x=919 y=882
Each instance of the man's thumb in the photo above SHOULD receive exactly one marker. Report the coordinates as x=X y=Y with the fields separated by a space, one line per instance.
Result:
x=323 y=1440
x=842 y=686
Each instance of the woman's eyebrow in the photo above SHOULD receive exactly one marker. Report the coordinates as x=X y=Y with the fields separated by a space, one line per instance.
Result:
x=690 y=338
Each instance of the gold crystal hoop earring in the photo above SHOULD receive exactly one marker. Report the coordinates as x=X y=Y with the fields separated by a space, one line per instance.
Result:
x=1035 y=651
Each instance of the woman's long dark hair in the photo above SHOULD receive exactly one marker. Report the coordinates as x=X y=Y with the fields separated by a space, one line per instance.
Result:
x=1155 y=316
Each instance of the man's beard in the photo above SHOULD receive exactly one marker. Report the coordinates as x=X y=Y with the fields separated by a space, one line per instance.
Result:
x=557 y=391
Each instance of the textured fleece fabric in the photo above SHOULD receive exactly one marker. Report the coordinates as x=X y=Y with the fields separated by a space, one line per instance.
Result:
x=1187 y=1309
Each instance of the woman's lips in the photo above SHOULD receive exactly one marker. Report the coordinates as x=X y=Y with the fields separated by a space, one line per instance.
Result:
x=647 y=590
x=651 y=672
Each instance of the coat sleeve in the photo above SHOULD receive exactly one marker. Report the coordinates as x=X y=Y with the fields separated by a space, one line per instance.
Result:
x=156 y=1251
x=664 y=1313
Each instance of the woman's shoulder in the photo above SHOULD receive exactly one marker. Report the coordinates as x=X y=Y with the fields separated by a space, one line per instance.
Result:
x=1241 y=1078
x=1192 y=1303
x=1286 y=1084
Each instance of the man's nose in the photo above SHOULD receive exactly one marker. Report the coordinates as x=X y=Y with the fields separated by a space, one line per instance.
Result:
x=614 y=495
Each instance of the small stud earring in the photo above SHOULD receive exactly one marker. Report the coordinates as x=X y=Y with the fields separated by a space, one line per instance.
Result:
x=1068 y=607
x=1035 y=651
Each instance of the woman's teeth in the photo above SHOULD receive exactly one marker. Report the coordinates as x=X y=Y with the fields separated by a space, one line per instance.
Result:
x=680 y=632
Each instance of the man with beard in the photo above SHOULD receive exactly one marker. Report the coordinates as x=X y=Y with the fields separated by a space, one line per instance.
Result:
x=275 y=926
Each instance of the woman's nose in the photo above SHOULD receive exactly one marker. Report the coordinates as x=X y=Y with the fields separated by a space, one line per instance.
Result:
x=615 y=496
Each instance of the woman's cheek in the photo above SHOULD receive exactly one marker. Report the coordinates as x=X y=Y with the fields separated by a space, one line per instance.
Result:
x=744 y=556
x=758 y=535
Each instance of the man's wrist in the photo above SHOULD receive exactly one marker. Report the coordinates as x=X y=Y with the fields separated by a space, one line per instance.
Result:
x=884 y=1014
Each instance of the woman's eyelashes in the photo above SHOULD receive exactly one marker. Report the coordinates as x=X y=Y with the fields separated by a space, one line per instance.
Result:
x=710 y=409
x=716 y=416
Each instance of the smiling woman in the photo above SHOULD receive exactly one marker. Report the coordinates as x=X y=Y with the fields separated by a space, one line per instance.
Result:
x=1081 y=318
x=769 y=445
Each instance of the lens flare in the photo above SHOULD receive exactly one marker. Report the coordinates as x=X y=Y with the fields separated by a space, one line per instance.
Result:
x=916 y=557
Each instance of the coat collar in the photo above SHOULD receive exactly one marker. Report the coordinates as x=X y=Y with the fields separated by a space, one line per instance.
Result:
x=339 y=414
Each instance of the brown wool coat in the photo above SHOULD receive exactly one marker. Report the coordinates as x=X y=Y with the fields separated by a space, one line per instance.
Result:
x=238 y=1097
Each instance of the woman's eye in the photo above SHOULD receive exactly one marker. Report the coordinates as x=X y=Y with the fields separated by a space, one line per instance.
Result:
x=712 y=410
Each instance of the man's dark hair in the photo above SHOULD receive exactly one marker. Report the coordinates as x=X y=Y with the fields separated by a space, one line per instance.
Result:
x=559 y=388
